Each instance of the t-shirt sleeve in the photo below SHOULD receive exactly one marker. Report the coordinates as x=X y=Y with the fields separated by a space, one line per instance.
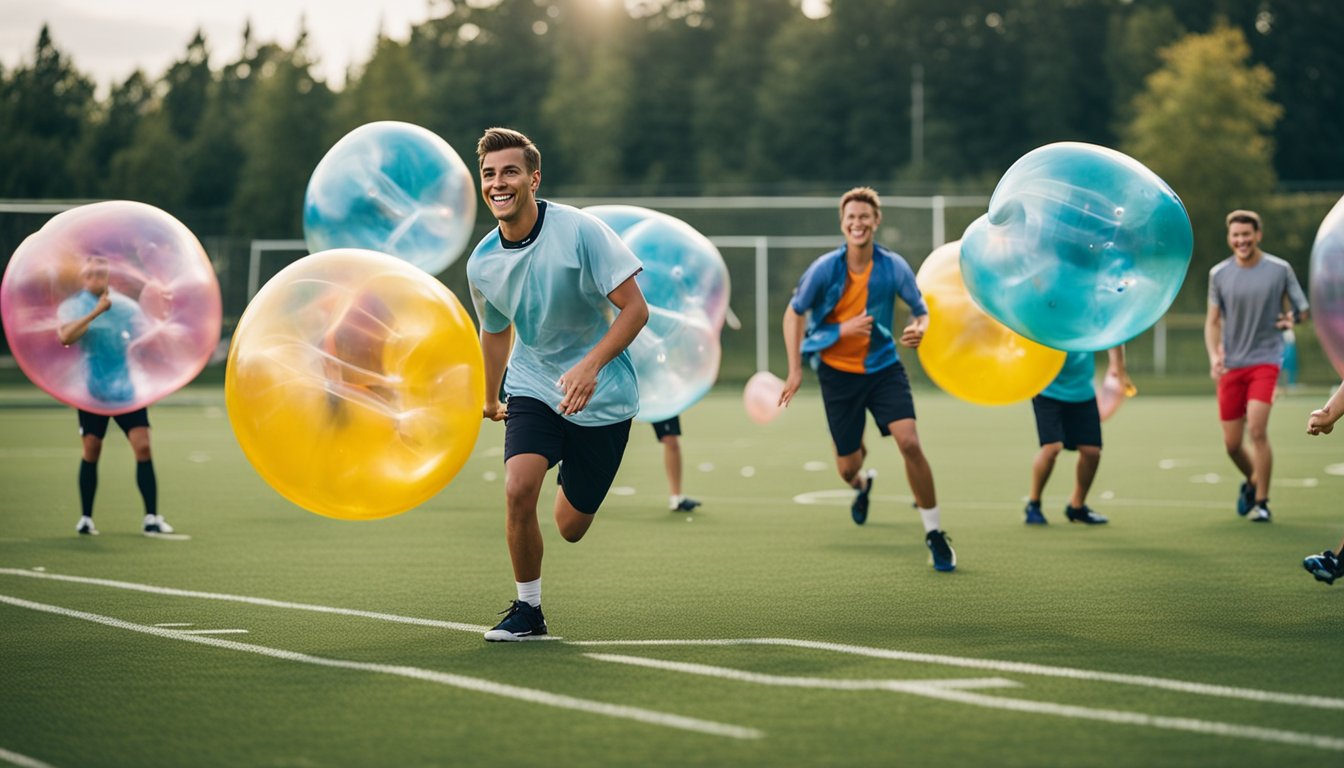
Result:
x=1215 y=299
x=908 y=289
x=491 y=319
x=1295 y=293
x=70 y=310
x=805 y=294
x=609 y=260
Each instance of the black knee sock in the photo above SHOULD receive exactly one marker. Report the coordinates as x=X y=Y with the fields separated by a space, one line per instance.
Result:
x=149 y=486
x=88 y=486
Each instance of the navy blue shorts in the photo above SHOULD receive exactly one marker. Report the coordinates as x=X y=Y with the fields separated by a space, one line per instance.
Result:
x=671 y=427
x=1072 y=424
x=884 y=393
x=591 y=455
x=96 y=424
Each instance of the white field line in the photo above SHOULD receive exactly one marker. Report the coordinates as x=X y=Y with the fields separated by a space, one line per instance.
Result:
x=1182 y=686
x=955 y=690
x=211 y=631
x=249 y=600
x=478 y=685
x=841 y=497
x=21 y=760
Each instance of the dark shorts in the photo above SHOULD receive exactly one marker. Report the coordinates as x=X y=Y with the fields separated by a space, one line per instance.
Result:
x=96 y=424
x=1072 y=424
x=591 y=455
x=884 y=393
x=670 y=427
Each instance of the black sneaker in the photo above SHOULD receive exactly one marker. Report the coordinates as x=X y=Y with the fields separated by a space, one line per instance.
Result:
x=1084 y=515
x=1260 y=514
x=859 y=509
x=686 y=505
x=522 y=622
x=944 y=558
x=1034 y=515
x=1245 y=499
x=1325 y=567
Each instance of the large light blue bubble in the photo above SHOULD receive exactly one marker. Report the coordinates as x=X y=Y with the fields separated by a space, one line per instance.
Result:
x=1327 y=285
x=392 y=187
x=1083 y=248
x=685 y=282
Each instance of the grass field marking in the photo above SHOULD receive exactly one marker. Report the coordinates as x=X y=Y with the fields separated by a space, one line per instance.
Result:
x=824 y=683
x=22 y=760
x=478 y=685
x=1202 y=689
x=453 y=625
x=167 y=625
x=956 y=691
x=211 y=631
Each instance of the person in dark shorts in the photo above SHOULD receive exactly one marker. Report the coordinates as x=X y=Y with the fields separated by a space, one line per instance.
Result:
x=1067 y=419
x=668 y=432
x=555 y=295
x=102 y=326
x=840 y=320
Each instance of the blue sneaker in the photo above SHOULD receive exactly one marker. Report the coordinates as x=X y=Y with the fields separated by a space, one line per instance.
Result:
x=686 y=505
x=1245 y=499
x=1084 y=515
x=1325 y=567
x=944 y=558
x=859 y=509
x=523 y=622
x=1034 y=515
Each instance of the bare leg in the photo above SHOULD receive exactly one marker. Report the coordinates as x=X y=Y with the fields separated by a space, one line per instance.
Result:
x=672 y=463
x=917 y=470
x=1089 y=457
x=1262 y=456
x=1041 y=468
x=524 y=474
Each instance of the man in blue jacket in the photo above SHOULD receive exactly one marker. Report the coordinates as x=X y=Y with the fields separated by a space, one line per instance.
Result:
x=839 y=319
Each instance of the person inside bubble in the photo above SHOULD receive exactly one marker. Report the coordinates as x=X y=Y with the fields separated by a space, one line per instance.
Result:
x=105 y=326
x=352 y=357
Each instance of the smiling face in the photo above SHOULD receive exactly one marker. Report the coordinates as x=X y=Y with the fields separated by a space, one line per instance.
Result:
x=858 y=222
x=508 y=188
x=1244 y=240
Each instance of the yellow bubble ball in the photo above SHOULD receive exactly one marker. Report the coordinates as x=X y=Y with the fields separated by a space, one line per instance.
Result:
x=969 y=354
x=355 y=384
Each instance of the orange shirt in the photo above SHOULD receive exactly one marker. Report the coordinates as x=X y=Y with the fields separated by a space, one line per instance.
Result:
x=847 y=354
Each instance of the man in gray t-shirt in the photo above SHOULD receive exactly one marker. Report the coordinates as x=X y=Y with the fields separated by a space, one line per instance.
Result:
x=1253 y=297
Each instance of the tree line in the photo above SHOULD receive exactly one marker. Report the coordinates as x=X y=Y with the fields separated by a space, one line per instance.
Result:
x=1223 y=98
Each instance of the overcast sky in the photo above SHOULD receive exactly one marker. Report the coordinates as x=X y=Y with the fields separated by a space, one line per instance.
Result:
x=107 y=40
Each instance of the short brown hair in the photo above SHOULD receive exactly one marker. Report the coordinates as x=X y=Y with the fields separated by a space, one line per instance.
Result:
x=1240 y=216
x=862 y=195
x=495 y=139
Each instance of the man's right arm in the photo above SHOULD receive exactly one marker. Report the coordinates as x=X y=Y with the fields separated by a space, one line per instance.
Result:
x=1213 y=340
x=794 y=325
x=69 y=333
x=495 y=349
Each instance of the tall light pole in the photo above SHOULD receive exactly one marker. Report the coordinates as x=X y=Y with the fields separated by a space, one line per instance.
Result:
x=917 y=115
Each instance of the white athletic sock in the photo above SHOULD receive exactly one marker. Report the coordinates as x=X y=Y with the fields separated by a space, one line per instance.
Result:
x=933 y=520
x=530 y=592
x=674 y=501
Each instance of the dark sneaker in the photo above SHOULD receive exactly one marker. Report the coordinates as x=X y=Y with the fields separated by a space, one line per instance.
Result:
x=944 y=558
x=85 y=527
x=686 y=505
x=1260 y=514
x=1245 y=499
x=521 y=623
x=859 y=509
x=1084 y=515
x=1325 y=567
x=1034 y=515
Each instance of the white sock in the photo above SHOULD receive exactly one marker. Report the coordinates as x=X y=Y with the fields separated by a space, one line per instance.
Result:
x=674 y=500
x=530 y=592
x=933 y=520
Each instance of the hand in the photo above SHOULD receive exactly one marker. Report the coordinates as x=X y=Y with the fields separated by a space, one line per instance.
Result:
x=104 y=303
x=578 y=384
x=913 y=334
x=859 y=325
x=495 y=411
x=791 y=385
x=1320 y=423
x=1216 y=369
x=1284 y=321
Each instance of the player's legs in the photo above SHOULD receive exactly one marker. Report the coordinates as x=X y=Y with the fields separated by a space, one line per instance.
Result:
x=1261 y=455
x=672 y=463
x=524 y=475
x=592 y=456
x=1041 y=468
x=917 y=470
x=1089 y=458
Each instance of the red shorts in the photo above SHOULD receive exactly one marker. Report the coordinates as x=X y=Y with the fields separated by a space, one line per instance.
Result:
x=1239 y=386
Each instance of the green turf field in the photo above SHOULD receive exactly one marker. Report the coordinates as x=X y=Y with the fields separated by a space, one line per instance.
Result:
x=765 y=629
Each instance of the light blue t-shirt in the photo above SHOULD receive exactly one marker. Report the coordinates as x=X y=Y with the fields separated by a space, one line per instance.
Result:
x=105 y=343
x=552 y=288
x=1074 y=382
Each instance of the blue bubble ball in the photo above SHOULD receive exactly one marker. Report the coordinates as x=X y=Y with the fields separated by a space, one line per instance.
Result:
x=685 y=282
x=392 y=187
x=1083 y=248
